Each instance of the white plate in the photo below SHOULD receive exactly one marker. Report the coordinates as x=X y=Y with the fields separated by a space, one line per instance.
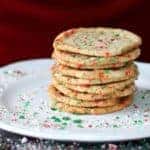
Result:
x=25 y=108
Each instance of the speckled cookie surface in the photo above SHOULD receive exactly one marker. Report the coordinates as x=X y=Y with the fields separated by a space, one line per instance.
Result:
x=93 y=96
x=123 y=73
x=97 y=41
x=79 y=66
x=58 y=96
x=123 y=102
x=104 y=89
x=91 y=62
x=79 y=81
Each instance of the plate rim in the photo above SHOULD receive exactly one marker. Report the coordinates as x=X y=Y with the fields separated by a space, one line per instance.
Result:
x=74 y=137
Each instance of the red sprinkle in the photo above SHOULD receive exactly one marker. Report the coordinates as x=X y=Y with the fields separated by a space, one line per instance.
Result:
x=90 y=126
x=107 y=54
x=46 y=125
x=79 y=65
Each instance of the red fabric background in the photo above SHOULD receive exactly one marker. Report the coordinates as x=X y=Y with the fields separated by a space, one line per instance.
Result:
x=28 y=27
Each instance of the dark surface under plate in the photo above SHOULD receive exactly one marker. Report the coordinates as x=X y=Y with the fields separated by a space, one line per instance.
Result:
x=17 y=142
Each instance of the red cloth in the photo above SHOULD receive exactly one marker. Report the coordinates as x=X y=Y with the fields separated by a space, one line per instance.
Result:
x=28 y=27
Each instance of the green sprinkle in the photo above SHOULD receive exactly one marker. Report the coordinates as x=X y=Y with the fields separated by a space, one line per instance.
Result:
x=126 y=63
x=54 y=109
x=115 y=126
x=116 y=34
x=66 y=118
x=53 y=117
x=64 y=124
x=56 y=119
x=100 y=59
x=113 y=60
x=80 y=126
x=107 y=71
x=77 y=121
x=138 y=122
x=143 y=97
x=26 y=104
x=117 y=117
x=21 y=117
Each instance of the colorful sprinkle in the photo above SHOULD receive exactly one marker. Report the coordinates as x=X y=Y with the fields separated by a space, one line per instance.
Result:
x=77 y=121
x=21 y=117
x=66 y=118
x=56 y=119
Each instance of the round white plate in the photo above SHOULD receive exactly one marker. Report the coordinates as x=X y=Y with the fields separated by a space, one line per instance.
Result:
x=24 y=108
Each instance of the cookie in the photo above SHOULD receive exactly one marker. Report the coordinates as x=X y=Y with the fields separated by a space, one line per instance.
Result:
x=60 y=97
x=78 y=81
x=97 y=41
x=91 y=62
x=123 y=102
x=123 y=73
x=97 y=89
x=78 y=66
x=92 y=96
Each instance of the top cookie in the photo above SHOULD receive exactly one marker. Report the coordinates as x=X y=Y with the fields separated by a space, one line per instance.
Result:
x=97 y=41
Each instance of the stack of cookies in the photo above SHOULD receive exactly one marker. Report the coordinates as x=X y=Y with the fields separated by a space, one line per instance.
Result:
x=94 y=71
